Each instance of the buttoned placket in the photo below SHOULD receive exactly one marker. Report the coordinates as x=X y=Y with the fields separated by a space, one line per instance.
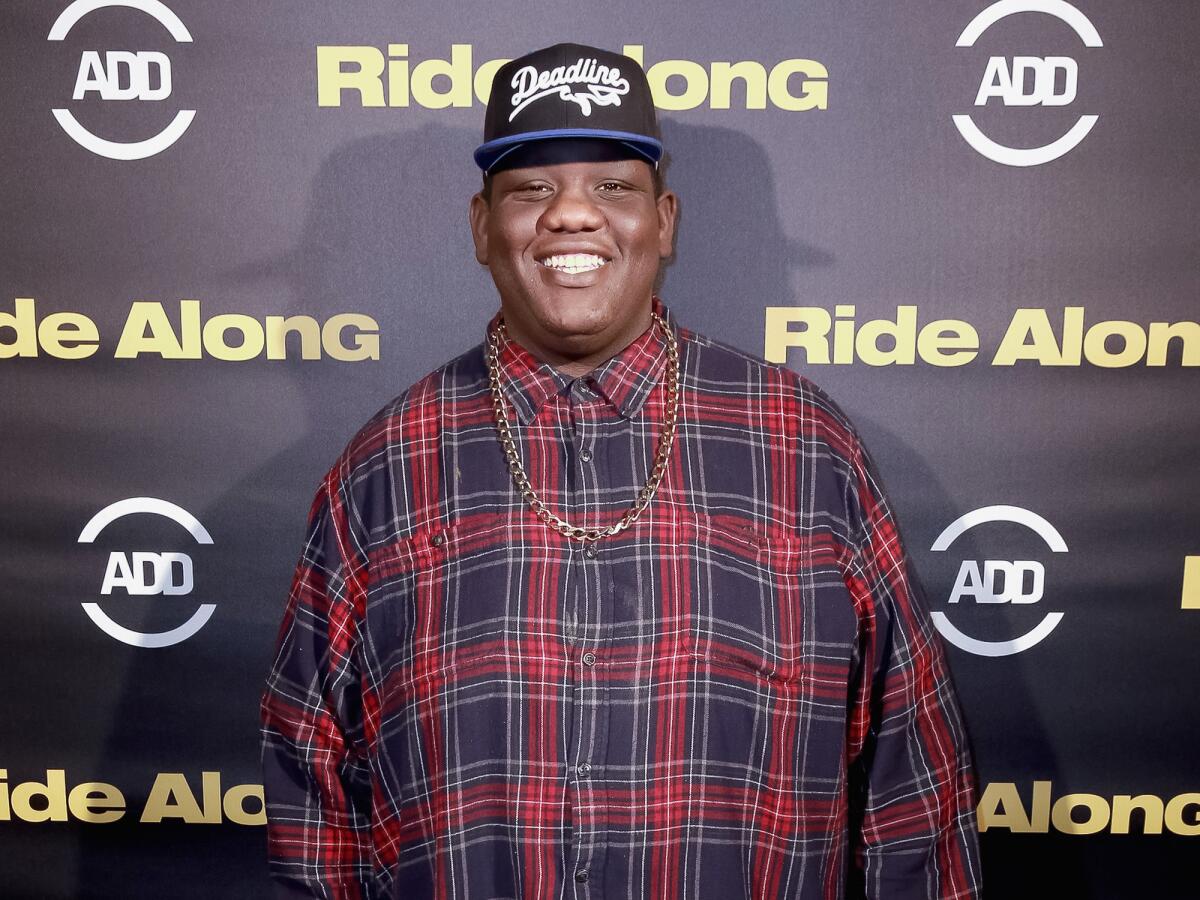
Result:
x=587 y=462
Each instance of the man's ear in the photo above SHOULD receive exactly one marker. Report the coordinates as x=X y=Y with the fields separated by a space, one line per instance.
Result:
x=479 y=227
x=668 y=213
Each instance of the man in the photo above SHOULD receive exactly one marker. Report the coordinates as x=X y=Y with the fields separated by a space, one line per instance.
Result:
x=603 y=608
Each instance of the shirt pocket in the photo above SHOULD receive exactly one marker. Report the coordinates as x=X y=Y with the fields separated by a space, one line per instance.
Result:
x=746 y=601
x=458 y=608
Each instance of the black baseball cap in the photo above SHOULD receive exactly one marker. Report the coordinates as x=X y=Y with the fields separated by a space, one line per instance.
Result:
x=569 y=91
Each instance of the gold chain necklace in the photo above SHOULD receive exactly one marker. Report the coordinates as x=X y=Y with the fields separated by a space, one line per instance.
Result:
x=666 y=440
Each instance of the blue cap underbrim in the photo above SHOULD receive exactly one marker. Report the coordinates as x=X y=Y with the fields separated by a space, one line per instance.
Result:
x=487 y=155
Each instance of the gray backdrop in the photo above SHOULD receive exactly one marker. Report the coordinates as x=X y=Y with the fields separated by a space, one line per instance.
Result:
x=270 y=205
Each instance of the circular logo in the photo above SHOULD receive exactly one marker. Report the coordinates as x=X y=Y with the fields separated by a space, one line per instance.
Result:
x=143 y=573
x=123 y=75
x=1027 y=81
x=998 y=580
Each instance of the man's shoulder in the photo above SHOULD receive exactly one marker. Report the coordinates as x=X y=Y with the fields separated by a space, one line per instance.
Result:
x=726 y=370
x=462 y=378
x=414 y=414
x=716 y=361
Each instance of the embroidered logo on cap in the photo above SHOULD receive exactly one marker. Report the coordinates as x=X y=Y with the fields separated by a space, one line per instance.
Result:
x=602 y=85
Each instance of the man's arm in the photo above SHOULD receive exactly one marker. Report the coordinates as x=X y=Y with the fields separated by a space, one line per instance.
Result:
x=315 y=776
x=912 y=783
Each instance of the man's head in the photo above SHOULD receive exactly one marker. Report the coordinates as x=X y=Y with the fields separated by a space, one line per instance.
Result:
x=573 y=219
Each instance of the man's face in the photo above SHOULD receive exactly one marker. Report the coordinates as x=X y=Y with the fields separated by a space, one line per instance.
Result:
x=574 y=249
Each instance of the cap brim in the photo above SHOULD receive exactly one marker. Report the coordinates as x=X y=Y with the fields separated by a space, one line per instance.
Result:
x=487 y=155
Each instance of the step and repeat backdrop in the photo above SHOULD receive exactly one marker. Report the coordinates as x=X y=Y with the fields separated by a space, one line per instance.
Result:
x=232 y=232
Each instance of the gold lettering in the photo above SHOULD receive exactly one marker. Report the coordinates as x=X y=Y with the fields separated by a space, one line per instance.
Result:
x=1001 y=807
x=147 y=315
x=752 y=74
x=189 y=322
x=1133 y=344
x=1190 y=597
x=1123 y=806
x=23 y=322
x=234 y=805
x=68 y=335
x=342 y=68
x=214 y=337
x=172 y=798
x=1174 y=814
x=1039 y=815
x=278 y=328
x=397 y=75
x=843 y=334
x=457 y=70
x=1029 y=336
x=812 y=337
x=332 y=79
x=484 y=76
x=108 y=804
x=636 y=52
x=210 y=786
x=816 y=92
x=1097 y=809
x=53 y=790
x=903 y=333
x=948 y=342
x=1161 y=335
x=695 y=84
x=1072 y=342
x=366 y=345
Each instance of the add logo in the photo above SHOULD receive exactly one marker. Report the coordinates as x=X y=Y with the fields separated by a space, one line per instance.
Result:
x=143 y=573
x=1027 y=81
x=998 y=580
x=123 y=75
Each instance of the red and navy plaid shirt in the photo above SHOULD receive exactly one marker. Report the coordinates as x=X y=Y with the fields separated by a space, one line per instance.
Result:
x=741 y=696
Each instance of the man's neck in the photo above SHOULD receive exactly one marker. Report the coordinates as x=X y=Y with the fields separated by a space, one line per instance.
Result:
x=577 y=365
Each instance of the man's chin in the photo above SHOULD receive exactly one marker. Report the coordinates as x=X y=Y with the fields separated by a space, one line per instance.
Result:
x=576 y=314
x=572 y=323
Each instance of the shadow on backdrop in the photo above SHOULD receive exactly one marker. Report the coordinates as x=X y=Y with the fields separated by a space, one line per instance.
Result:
x=1000 y=713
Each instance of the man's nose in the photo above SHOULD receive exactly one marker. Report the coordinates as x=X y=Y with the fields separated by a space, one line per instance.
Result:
x=572 y=209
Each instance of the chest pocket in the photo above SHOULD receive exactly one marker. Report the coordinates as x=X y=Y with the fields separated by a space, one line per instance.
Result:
x=460 y=599
x=749 y=600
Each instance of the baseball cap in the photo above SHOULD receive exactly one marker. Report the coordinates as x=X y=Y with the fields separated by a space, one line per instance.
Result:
x=569 y=91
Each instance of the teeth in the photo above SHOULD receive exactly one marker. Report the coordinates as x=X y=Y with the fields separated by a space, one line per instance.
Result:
x=573 y=263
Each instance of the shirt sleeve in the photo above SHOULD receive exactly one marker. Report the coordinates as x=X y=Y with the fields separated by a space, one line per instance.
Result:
x=911 y=781
x=315 y=777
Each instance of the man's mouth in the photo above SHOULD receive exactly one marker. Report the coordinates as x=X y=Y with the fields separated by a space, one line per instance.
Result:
x=573 y=263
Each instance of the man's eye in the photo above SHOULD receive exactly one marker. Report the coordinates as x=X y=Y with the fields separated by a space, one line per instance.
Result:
x=612 y=187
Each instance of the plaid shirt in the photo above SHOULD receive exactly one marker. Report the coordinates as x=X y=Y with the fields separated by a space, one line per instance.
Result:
x=742 y=696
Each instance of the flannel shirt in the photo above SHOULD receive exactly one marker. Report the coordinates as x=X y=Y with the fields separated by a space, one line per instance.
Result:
x=741 y=696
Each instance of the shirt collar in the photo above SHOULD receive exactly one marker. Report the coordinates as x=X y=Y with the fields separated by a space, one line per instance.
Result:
x=624 y=382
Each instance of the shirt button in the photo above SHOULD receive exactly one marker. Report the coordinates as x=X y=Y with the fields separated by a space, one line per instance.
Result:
x=438 y=539
x=589 y=658
x=582 y=876
x=590 y=551
x=585 y=456
x=584 y=769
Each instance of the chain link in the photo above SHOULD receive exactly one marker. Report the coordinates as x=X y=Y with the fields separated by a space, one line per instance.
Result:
x=508 y=444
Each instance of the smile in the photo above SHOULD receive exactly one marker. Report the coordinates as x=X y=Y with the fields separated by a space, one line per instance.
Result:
x=573 y=263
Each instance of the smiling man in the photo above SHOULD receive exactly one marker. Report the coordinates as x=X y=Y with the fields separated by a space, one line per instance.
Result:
x=603 y=608
x=573 y=234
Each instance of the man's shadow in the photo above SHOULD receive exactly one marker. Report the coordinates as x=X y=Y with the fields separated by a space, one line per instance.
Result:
x=385 y=235
x=732 y=256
